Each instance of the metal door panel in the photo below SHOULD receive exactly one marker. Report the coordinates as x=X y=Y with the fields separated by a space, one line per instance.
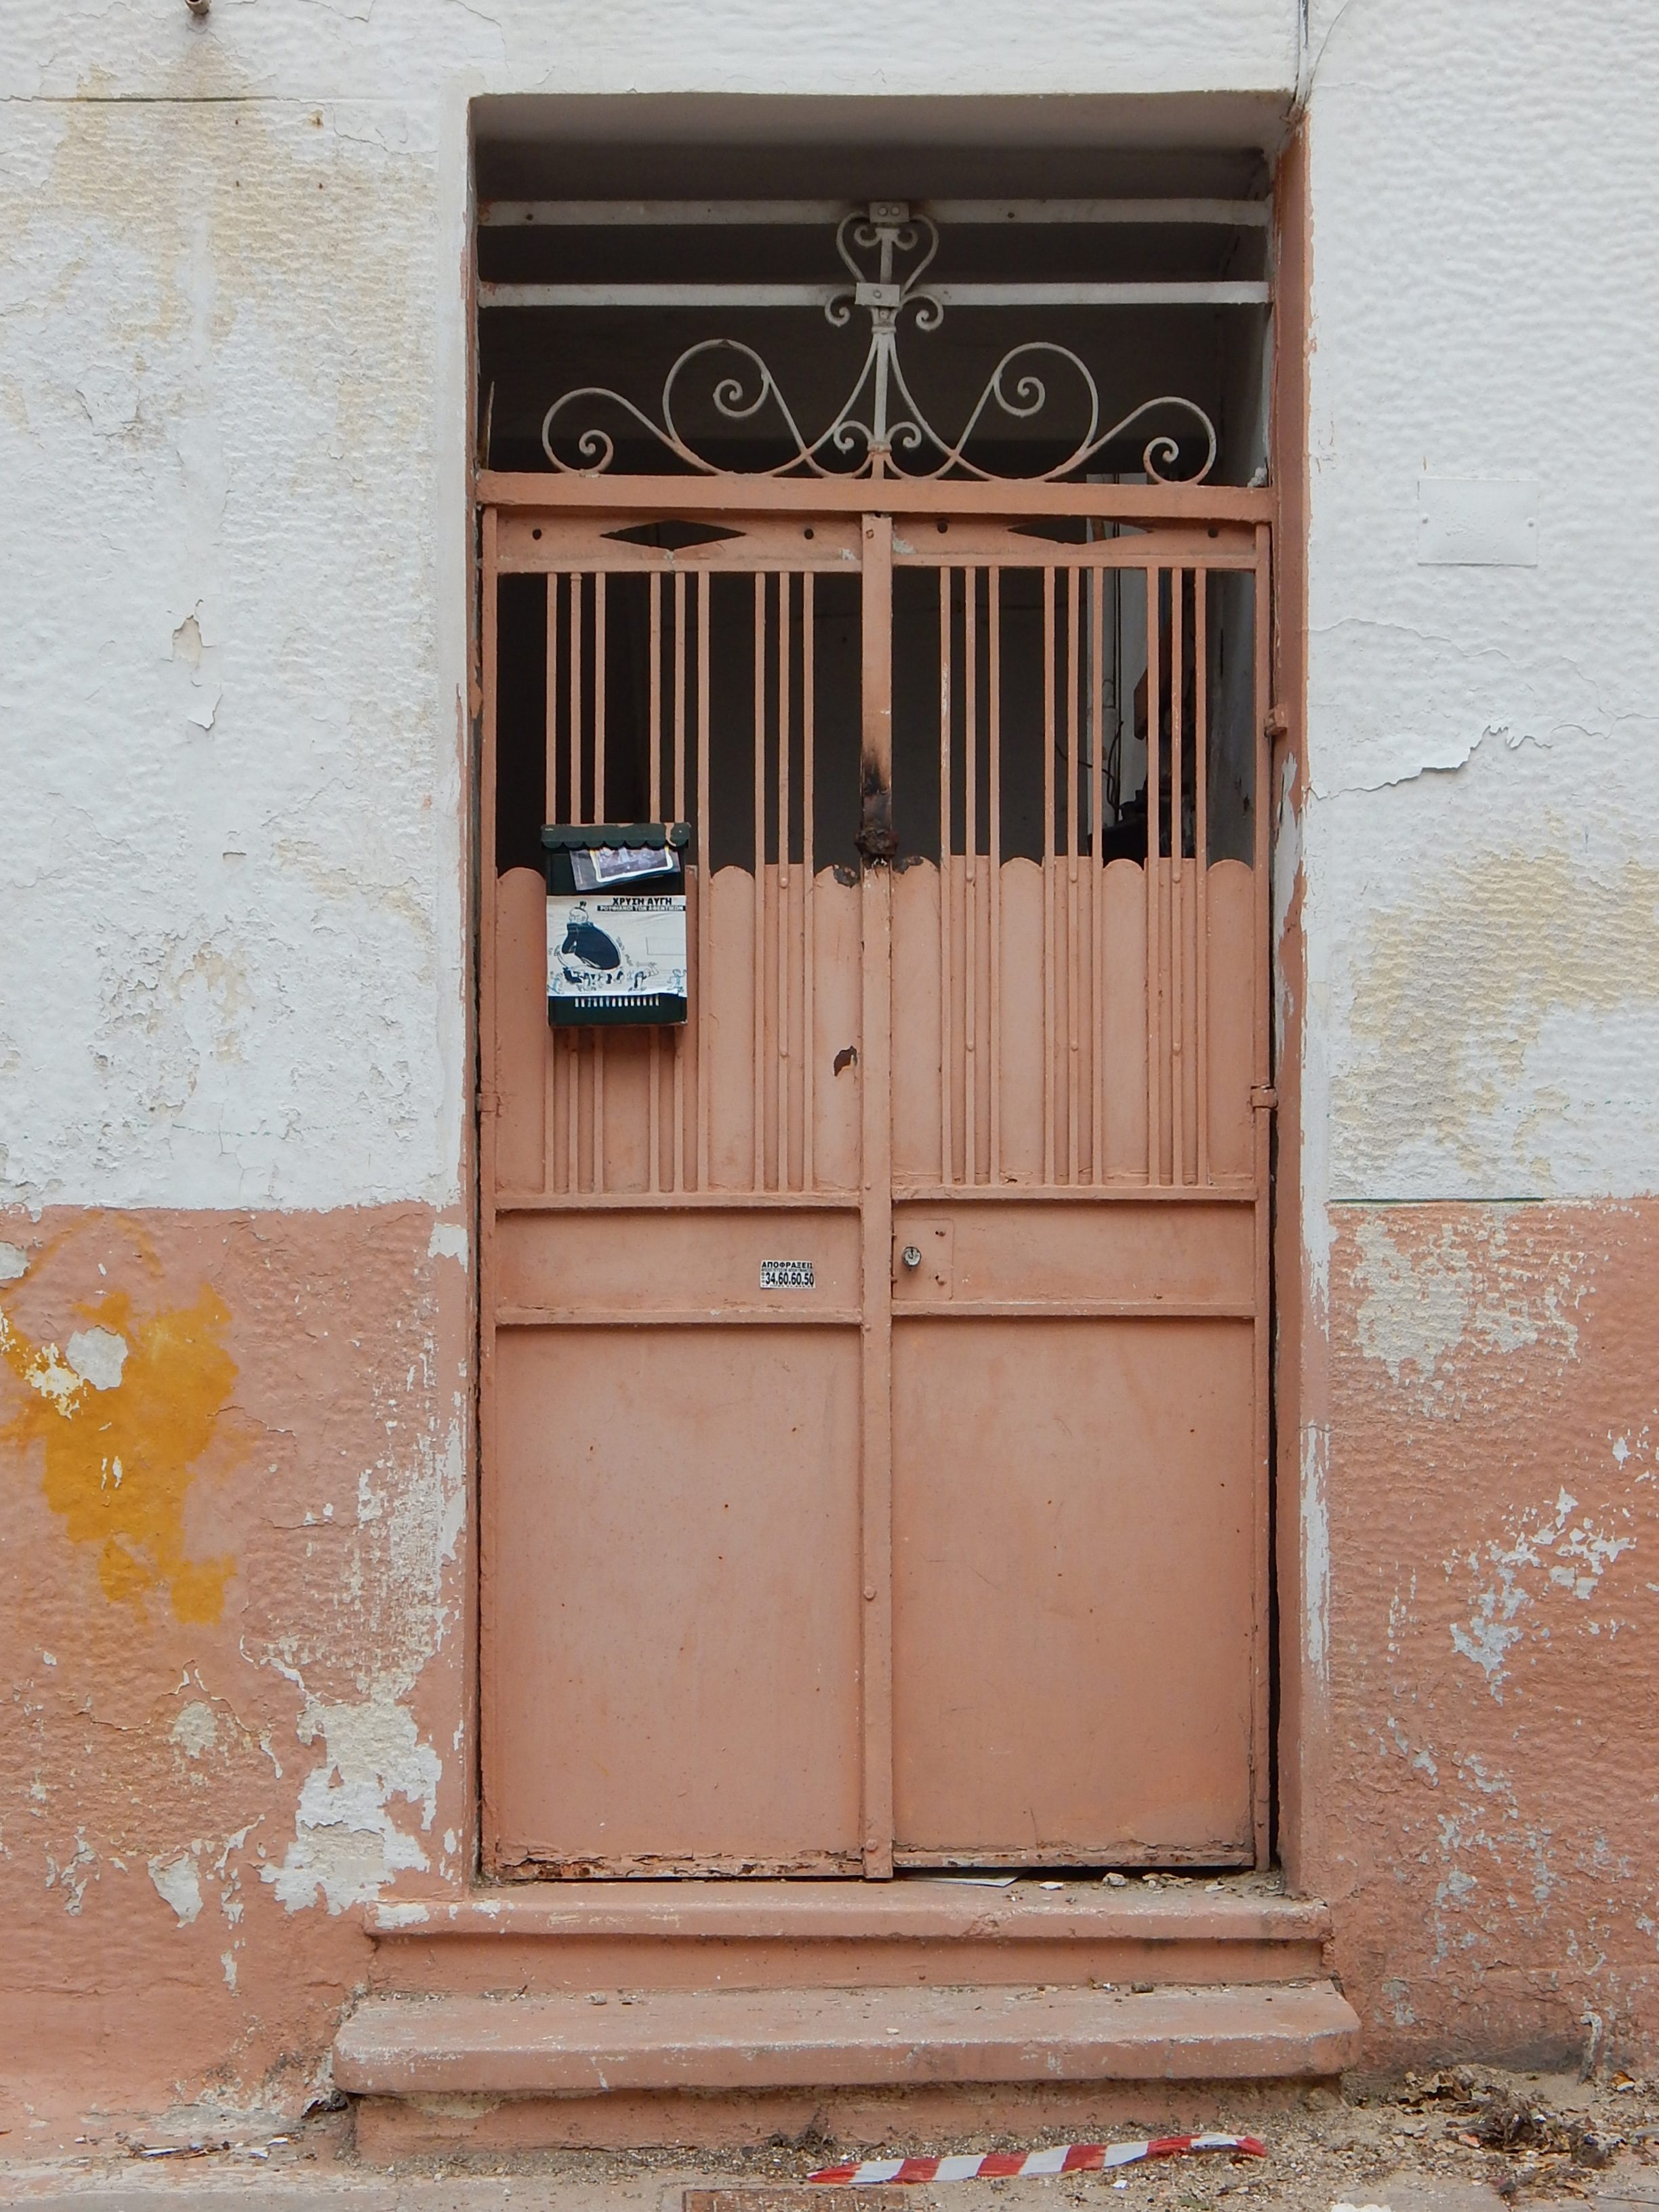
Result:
x=1072 y=1503
x=1079 y=1301
x=681 y=1690
x=1060 y=1255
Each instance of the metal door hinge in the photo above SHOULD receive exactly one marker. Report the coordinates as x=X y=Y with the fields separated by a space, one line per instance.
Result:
x=1263 y=1097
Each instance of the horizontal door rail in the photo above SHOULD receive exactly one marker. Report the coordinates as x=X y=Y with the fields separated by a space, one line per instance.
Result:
x=731 y=498
x=594 y=214
x=805 y=1316
x=1145 y=292
x=717 y=1199
x=1074 y=1309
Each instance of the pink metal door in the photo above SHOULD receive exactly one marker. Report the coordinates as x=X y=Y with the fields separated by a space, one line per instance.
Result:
x=956 y=1557
x=1079 y=1358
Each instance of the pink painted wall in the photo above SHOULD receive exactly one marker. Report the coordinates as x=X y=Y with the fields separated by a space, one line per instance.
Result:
x=234 y=1624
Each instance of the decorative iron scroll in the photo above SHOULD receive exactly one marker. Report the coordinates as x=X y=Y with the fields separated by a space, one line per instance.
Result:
x=879 y=429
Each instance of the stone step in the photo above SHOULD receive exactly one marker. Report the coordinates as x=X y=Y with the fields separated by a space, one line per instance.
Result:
x=759 y=2039
x=577 y=1936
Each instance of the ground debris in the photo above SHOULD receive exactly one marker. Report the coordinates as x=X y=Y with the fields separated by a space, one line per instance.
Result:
x=1486 y=2110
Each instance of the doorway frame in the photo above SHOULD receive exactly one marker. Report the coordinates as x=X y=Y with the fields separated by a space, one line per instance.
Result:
x=1297 y=1381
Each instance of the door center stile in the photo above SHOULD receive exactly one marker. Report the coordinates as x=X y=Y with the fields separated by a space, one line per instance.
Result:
x=876 y=1195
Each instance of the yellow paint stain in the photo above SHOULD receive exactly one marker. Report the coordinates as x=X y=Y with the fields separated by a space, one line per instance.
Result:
x=119 y=1461
x=1453 y=986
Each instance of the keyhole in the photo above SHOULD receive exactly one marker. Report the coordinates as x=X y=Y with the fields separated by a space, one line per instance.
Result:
x=911 y=1256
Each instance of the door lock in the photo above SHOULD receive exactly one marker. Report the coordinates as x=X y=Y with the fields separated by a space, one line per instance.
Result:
x=911 y=1256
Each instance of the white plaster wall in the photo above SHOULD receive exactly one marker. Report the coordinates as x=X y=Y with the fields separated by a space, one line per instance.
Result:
x=232 y=408
x=422 y=51
x=230 y=971
x=1482 y=843
x=234 y=530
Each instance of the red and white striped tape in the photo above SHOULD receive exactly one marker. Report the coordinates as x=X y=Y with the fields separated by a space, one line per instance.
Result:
x=1006 y=2165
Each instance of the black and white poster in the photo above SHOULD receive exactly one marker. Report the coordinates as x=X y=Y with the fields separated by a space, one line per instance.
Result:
x=616 y=955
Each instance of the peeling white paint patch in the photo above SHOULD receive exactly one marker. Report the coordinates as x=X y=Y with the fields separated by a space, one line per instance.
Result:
x=55 y=1380
x=98 y=1355
x=177 y=1884
x=1315 y=1551
x=196 y=1730
x=401 y=1916
x=75 y=1873
x=1488 y=1636
x=14 y=1263
x=346 y=1844
x=448 y=1241
x=1419 y=1308
x=1549 y=1545
x=1414 y=1312
x=455 y=1481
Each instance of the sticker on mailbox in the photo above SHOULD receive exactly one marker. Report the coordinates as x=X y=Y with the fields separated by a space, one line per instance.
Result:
x=612 y=956
x=788 y=1275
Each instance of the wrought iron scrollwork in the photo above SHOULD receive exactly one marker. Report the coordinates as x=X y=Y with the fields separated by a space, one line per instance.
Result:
x=880 y=429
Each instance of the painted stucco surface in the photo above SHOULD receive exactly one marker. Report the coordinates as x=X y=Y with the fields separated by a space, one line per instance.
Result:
x=234 y=1075
x=231 y=968
x=1478 y=895
x=232 y=1626
x=1493 y=1632
x=1482 y=864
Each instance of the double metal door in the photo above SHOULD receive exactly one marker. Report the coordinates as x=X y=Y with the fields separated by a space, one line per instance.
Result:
x=874 y=1369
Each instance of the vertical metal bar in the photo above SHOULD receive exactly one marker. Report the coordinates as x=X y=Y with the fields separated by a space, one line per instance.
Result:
x=1070 y=759
x=654 y=802
x=759 y=1025
x=1048 y=1104
x=876 y=1181
x=1201 y=852
x=808 y=955
x=783 y=880
x=599 y=815
x=705 y=885
x=487 y=655
x=970 y=876
x=573 y=1057
x=679 y=816
x=576 y=813
x=1261 y=804
x=1097 y=877
x=556 y=1059
x=994 y=1039
x=946 y=1117
x=599 y=695
x=1154 y=1024
x=1177 y=864
x=550 y=749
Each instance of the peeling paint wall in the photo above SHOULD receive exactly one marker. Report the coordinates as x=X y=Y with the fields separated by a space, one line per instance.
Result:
x=234 y=1078
x=1493 y=1627
x=233 y=1634
x=1478 y=836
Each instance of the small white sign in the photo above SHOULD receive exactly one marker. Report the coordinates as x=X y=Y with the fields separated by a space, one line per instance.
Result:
x=1477 y=523
x=788 y=1275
